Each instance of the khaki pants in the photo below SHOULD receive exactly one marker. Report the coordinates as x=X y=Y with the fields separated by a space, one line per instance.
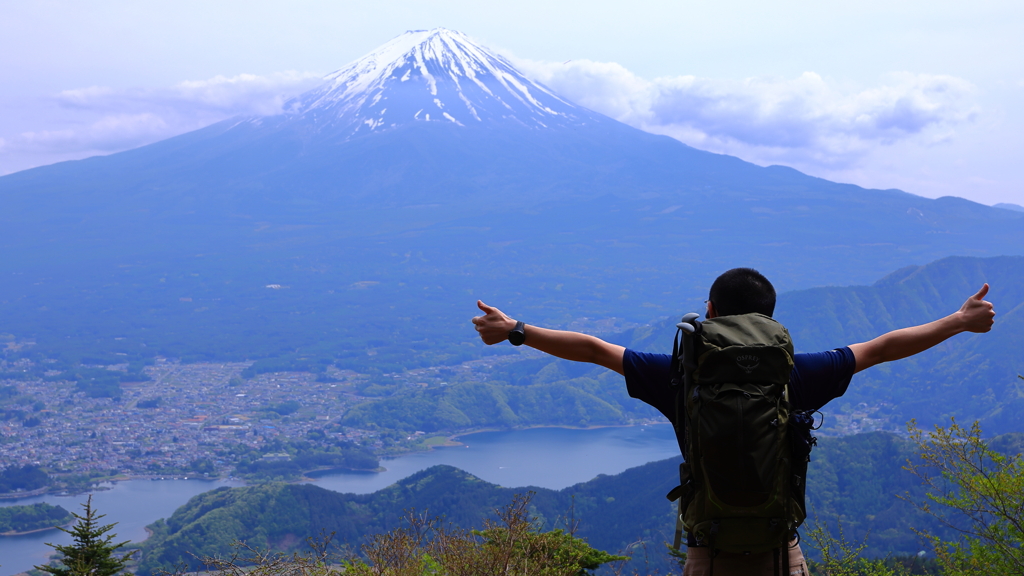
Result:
x=698 y=563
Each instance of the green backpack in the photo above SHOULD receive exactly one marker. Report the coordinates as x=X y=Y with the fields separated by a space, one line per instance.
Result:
x=745 y=451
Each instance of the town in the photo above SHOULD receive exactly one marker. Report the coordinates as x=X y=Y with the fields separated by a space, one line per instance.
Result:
x=203 y=419
x=185 y=418
x=198 y=419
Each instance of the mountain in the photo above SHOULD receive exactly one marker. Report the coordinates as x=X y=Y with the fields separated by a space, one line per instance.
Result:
x=363 y=220
x=855 y=479
x=971 y=376
x=421 y=72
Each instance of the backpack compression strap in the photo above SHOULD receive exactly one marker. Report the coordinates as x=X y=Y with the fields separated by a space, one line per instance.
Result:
x=682 y=349
x=677 y=494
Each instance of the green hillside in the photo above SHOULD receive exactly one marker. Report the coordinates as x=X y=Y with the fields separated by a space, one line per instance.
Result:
x=971 y=376
x=855 y=479
x=518 y=396
x=32 y=517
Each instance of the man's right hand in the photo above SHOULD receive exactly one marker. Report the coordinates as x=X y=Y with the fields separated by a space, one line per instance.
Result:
x=494 y=325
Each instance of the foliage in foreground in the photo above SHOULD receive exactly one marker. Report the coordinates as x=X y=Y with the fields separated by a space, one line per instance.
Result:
x=93 y=552
x=973 y=488
x=511 y=544
x=840 y=557
x=976 y=491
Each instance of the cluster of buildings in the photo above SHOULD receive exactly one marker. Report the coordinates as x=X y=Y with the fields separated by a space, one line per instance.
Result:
x=861 y=418
x=186 y=413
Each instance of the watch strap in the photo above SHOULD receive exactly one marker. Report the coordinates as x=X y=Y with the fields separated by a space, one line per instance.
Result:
x=517 y=336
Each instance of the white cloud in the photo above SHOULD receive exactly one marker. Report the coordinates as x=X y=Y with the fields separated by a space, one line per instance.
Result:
x=110 y=119
x=242 y=94
x=108 y=133
x=812 y=123
x=808 y=120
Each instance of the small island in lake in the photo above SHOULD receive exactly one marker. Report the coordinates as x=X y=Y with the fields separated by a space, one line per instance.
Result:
x=17 y=520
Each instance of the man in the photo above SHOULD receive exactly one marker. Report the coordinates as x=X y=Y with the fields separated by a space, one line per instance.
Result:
x=816 y=379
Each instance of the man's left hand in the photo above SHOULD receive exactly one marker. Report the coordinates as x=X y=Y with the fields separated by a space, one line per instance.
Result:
x=977 y=314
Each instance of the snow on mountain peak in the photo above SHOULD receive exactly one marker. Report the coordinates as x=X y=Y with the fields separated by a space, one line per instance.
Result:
x=432 y=75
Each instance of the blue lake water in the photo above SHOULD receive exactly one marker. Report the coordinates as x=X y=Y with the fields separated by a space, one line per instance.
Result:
x=544 y=457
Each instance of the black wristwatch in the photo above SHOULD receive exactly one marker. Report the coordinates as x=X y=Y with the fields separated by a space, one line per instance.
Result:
x=517 y=335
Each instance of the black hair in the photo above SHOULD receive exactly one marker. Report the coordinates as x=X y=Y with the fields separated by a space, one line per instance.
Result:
x=742 y=291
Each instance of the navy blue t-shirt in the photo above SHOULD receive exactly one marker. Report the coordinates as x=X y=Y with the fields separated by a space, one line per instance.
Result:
x=817 y=378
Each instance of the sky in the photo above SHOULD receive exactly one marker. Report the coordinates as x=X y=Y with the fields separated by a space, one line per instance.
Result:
x=923 y=96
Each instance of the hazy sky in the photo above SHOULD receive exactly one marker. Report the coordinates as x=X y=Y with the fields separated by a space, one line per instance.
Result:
x=924 y=96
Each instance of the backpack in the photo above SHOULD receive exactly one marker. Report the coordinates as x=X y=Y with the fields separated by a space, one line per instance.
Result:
x=745 y=451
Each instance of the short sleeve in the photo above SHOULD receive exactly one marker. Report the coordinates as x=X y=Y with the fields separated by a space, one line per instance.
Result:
x=820 y=377
x=648 y=378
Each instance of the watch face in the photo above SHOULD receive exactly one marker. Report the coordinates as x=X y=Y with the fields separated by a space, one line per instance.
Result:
x=516 y=337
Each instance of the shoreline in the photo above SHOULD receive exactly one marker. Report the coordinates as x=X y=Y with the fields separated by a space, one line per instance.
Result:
x=29 y=494
x=561 y=426
x=454 y=437
x=36 y=531
x=451 y=441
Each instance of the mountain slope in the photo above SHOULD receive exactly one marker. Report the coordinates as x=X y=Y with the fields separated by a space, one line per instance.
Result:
x=390 y=233
x=971 y=376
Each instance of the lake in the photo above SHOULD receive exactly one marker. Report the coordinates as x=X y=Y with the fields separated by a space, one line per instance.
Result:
x=544 y=457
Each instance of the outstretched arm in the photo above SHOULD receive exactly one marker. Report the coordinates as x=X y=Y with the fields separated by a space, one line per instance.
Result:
x=494 y=327
x=976 y=315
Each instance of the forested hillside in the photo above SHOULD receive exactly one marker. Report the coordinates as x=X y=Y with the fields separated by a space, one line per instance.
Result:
x=855 y=479
x=517 y=395
x=971 y=376
x=40 y=516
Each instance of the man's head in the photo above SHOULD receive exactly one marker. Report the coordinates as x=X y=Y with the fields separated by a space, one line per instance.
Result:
x=741 y=291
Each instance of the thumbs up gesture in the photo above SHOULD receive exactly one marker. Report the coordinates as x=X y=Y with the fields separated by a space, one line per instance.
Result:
x=977 y=314
x=494 y=325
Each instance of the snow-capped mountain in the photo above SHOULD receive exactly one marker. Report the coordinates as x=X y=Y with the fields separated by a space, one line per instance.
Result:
x=435 y=75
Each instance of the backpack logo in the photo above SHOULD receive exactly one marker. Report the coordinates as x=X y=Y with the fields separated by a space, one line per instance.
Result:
x=748 y=362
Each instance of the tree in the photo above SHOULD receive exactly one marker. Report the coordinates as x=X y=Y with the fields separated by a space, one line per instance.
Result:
x=510 y=545
x=93 y=552
x=840 y=557
x=976 y=491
